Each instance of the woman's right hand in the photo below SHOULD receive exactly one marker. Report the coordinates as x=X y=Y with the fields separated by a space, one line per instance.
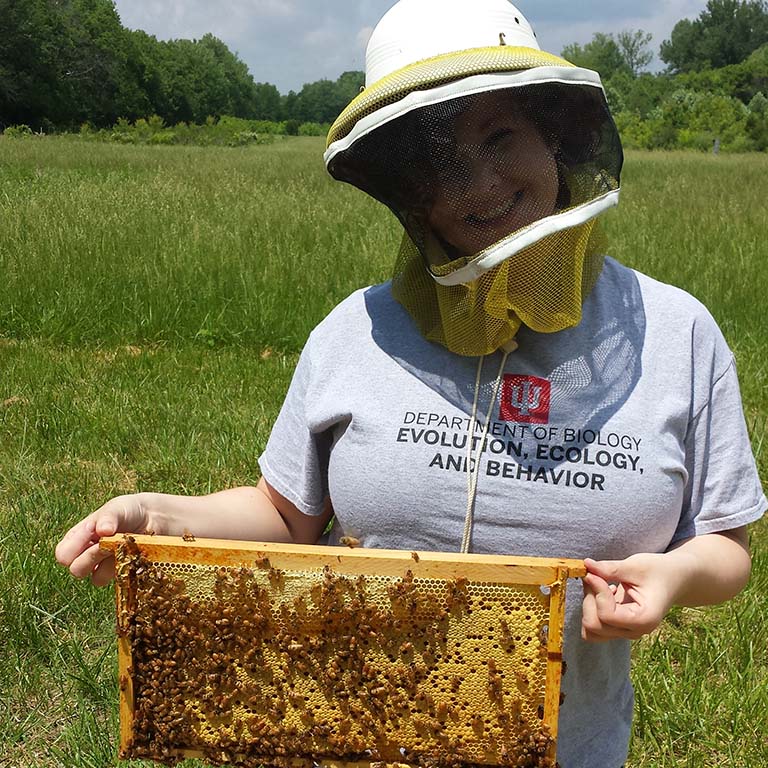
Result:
x=79 y=549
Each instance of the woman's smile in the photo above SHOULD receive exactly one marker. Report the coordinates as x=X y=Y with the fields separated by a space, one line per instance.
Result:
x=497 y=215
x=503 y=176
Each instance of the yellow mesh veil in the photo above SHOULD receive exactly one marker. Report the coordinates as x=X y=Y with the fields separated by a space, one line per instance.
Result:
x=531 y=287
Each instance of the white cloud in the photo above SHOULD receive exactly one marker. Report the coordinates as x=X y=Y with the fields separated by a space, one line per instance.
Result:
x=325 y=36
x=363 y=36
x=193 y=18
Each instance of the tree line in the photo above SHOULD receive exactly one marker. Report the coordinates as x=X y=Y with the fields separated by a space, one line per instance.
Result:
x=714 y=89
x=68 y=62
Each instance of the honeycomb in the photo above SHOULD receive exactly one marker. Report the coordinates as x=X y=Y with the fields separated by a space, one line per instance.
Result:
x=266 y=654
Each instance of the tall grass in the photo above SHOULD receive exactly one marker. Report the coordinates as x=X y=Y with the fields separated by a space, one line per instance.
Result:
x=136 y=244
x=152 y=304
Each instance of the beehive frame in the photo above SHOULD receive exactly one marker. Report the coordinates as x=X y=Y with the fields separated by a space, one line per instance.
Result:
x=250 y=653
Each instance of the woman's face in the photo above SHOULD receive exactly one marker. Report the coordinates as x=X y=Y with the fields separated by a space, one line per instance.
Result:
x=502 y=178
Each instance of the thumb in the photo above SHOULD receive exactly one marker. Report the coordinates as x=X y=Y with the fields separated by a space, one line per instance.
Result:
x=609 y=570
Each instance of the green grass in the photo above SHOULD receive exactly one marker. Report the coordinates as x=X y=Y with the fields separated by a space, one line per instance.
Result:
x=167 y=243
x=152 y=305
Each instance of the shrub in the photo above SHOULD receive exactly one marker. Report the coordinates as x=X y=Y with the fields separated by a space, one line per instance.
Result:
x=18 y=131
x=313 y=129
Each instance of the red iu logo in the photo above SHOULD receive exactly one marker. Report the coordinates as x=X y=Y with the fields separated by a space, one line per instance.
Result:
x=525 y=399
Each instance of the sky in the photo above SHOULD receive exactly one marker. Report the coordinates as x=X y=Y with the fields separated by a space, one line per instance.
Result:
x=292 y=42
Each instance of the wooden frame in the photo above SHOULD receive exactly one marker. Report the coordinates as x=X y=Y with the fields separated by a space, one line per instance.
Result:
x=544 y=578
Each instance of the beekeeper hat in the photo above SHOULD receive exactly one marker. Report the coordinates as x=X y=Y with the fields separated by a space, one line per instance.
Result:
x=400 y=140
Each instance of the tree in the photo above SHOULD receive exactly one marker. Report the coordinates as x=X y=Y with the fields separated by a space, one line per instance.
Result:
x=64 y=62
x=241 y=95
x=267 y=101
x=725 y=33
x=69 y=61
x=601 y=54
x=322 y=100
x=633 y=45
x=349 y=85
x=97 y=63
x=30 y=70
x=640 y=95
x=757 y=121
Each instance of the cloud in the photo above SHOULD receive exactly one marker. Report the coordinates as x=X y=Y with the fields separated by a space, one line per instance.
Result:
x=363 y=36
x=233 y=19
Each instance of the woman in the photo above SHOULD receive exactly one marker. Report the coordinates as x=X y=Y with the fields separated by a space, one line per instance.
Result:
x=511 y=390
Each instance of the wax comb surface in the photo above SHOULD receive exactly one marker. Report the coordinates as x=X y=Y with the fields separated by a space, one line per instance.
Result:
x=252 y=654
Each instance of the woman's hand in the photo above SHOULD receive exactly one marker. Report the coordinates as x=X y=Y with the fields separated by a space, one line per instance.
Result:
x=79 y=549
x=630 y=598
x=626 y=598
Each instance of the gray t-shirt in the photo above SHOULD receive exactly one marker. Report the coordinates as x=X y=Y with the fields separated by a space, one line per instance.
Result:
x=621 y=435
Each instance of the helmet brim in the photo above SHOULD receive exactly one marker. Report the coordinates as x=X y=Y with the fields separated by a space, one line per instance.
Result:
x=436 y=71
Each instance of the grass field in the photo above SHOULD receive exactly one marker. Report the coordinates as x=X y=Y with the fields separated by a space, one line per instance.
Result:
x=152 y=305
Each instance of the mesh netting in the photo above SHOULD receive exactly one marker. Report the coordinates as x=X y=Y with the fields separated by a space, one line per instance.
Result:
x=478 y=318
x=512 y=173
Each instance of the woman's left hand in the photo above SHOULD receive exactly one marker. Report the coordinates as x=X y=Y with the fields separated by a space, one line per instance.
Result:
x=626 y=598
x=630 y=598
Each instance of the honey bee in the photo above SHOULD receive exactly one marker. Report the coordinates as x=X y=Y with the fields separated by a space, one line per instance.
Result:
x=349 y=541
x=415 y=556
x=262 y=561
x=522 y=679
x=188 y=536
x=495 y=686
x=296 y=699
x=331 y=674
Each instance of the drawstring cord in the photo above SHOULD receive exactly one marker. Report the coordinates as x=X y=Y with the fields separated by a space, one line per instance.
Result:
x=474 y=472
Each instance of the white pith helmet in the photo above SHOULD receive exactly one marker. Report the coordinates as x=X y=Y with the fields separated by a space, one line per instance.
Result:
x=420 y=44
x=414 y=30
